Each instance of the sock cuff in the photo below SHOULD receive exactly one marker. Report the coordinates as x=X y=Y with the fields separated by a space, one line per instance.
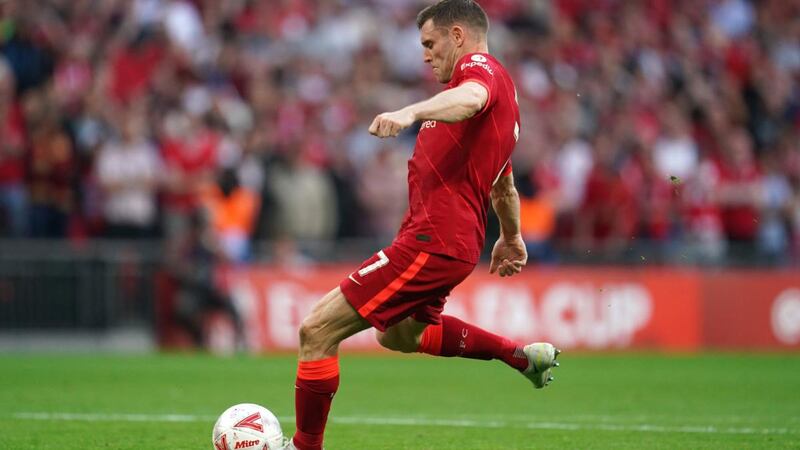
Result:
x=322 y=369
x=431 y=340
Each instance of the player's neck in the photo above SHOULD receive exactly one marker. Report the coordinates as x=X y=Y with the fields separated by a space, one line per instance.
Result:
x=474 y=47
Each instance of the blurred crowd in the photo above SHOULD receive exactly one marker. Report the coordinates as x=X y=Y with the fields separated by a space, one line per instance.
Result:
x=660 y=129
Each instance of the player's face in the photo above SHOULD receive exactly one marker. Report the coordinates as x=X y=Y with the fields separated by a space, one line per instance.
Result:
x=439 y=50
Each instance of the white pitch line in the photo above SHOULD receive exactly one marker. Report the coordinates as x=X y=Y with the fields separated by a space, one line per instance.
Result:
x=412 y=421
x=99 y=417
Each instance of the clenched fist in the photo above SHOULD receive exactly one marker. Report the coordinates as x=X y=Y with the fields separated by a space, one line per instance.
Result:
x=390 y=124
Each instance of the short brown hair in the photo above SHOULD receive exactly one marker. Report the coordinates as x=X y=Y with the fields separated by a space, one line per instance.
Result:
x=449 y=12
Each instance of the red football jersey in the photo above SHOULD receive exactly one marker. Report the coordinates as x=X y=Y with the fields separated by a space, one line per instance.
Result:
x=454 y=166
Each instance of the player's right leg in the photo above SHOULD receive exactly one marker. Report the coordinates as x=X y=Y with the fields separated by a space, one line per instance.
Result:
x=331 y=321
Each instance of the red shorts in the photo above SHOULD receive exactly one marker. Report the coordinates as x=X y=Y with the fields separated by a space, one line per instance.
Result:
x=399 y=282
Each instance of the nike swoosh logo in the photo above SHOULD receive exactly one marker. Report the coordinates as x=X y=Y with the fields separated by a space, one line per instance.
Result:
x=354 y=280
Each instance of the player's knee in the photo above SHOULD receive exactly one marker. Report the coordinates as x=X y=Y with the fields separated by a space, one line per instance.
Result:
x=309 y=333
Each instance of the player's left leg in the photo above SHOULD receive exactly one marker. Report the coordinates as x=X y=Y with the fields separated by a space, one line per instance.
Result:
x=454 y=337
x=331 y=321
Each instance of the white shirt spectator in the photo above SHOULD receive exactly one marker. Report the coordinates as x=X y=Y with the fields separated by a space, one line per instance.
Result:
x=574 y=163
x=127 y=173
x=184 y=25
x=675 y=156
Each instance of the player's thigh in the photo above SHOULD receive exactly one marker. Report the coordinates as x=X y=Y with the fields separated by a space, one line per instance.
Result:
x=331 y=321
x=403 y=336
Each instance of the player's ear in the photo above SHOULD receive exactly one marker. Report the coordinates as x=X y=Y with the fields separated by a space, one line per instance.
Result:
x=457 y=34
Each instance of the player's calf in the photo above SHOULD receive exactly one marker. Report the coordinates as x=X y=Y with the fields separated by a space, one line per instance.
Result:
x=397 y=342
x=403 y=337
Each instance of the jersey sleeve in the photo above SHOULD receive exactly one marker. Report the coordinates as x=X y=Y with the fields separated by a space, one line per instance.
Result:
x=507 y=170
x=478 y=69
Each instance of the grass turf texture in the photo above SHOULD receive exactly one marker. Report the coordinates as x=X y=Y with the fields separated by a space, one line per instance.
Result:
x=605 y=401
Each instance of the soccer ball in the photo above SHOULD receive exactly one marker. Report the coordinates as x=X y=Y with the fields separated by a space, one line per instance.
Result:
x=247 y=427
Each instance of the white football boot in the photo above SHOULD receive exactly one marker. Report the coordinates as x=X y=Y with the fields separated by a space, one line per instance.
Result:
x=541 y=358
x=288 y=444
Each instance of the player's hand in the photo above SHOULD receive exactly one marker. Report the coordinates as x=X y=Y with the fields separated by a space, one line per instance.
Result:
x=508 y=256
x=390 y=124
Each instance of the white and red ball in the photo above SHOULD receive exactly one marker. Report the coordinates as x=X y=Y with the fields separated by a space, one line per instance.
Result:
x=247 y=427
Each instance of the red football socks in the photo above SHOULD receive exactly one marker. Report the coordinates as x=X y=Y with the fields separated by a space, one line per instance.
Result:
x=317 y=382
x=458 y=338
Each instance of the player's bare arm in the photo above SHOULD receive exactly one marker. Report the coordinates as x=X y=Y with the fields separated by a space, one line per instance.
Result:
x=452 y=105
x=509 y=254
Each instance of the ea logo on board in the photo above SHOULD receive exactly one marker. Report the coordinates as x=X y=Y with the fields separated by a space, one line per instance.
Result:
x=786 y=316
x=479 y=58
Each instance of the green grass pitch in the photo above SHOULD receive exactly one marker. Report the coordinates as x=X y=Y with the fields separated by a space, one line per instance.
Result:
x=598 y=401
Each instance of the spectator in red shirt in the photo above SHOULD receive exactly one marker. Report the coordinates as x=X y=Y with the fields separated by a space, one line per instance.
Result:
x=739 y=193
x=133 y=67
x=655 y=195
x=190 y=154
x=606 y=218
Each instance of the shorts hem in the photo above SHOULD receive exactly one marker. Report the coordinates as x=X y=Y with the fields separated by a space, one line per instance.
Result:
x=377 y=324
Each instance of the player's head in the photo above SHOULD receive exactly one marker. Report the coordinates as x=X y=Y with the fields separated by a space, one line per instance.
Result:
x=448 y=30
